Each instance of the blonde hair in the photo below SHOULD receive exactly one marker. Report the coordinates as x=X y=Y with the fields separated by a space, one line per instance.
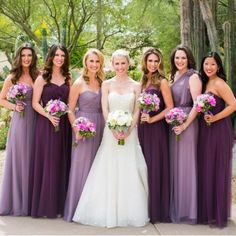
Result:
x=120 y=53
x=100 y=74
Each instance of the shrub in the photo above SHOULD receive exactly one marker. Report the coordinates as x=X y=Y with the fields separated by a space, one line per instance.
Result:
x=3 y=136
x=5 y=118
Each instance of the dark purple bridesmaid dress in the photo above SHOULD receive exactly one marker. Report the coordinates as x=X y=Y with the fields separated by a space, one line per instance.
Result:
x=215 y=145
x=51 y=159
x=154 y=142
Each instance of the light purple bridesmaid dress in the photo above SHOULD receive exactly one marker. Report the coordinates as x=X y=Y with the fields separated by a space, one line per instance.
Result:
x=15 y=183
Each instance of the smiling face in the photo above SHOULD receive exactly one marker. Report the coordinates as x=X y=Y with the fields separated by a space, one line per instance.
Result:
x=120 y=65
x=59 y=58
x=26 y=57
x=181 y=60
x=152 y=63
x=93 y=63
x=210 y=67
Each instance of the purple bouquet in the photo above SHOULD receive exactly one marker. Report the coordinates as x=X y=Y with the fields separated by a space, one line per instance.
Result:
x=148 y=102
x=204 y=103
x=175 y=117
x=84 y=127
x=56 y=108
x=17 y=94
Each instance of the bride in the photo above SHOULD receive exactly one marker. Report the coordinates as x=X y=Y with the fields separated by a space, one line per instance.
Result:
x=116 y=192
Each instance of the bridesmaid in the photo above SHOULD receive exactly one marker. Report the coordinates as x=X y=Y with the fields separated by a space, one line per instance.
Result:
x=153 y=136
x=52 y=149
x=215 y=146
x=85 y=101
x=14 y=192
x=185 y=87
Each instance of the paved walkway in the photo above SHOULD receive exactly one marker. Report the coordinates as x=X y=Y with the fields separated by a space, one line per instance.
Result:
x=10 y=225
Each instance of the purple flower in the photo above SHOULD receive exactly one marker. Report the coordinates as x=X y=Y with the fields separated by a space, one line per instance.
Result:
x=149 y=102
x=204 y=102
x=84 y=127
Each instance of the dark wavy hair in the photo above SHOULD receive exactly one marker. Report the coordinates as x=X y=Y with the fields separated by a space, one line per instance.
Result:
x=190 y=59
x=220 y=72
x=158 y=74
x=47 y=70
x=17 y=69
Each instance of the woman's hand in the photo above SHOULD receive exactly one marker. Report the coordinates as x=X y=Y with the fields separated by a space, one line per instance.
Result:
x=77 y=136
x=179 y=129
x=145 y=117
x=120 y=135
x=116 y=134
x=209 y=118
x=54 y=120
x=19 y=107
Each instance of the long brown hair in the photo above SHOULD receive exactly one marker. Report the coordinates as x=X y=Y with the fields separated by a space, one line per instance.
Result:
x=47 y=70
x=190 y=59
x=17 y=69
x=100 y=74
x=159 y=74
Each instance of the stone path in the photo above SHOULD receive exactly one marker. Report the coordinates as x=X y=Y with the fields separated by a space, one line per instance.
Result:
x=10 y=225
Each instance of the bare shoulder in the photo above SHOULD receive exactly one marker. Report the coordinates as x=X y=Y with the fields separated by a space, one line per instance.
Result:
x=8 y=80
x=40 y=81
x=106 y=83
x=134 y=83
x=136 y=86
x=194 y=76
x=164 y=82
x=221 y=85
x=78 y=82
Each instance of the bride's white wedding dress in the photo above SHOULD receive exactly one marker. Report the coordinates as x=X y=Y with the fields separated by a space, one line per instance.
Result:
x=116 y=190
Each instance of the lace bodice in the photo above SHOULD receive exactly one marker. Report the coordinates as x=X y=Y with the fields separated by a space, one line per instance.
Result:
x=123 y=102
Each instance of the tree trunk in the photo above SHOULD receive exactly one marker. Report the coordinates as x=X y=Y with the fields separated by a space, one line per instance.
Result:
x=185 y=23
x=99 y=24
x=213 y=6
x=199 y=37
x=232 y=71
x=230 y=51
x=210 y=24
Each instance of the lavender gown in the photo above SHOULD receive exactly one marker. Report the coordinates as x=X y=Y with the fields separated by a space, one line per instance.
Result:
x=89 y=106
x=51 y=159
x=214 y=172
x=154 y=142
x=14 y=192
x=183 y=157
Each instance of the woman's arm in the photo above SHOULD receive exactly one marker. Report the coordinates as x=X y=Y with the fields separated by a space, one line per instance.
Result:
x=37 y=93
x=166 y=93
x=105 y=92
x=224 y=91
x=137 y=90
x=72 y=101
x=3 y=97
x=195 y=86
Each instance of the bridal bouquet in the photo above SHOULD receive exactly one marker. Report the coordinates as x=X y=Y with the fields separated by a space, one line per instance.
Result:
x=17 y=94
x=84 y=127
x=175 y=117
x=119 y=121
x=148 y=102
x=56 y=108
